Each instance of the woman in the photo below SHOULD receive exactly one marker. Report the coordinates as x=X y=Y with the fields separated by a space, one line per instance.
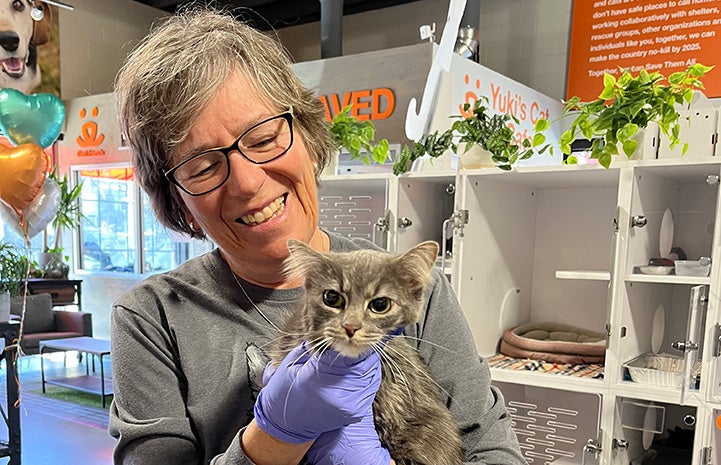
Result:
x=188 y=345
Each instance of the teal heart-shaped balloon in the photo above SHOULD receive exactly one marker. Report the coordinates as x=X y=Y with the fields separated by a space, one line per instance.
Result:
x=31 y=119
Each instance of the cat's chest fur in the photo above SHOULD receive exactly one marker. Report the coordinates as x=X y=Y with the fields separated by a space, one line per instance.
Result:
x=411 y=417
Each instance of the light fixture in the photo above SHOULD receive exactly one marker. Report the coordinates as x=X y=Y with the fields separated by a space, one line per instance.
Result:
x=466 y=43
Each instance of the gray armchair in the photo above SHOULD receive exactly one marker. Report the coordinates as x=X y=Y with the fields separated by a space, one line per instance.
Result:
x=43 y=323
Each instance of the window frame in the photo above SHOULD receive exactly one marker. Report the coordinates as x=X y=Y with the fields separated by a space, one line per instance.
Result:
x=136 y=229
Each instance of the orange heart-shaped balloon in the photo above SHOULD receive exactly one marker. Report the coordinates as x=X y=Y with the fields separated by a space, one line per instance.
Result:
x=22 y=173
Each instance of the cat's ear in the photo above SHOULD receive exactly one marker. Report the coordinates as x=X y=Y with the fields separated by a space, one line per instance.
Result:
x=302 y=258
x=415 y=266
x=426 y=252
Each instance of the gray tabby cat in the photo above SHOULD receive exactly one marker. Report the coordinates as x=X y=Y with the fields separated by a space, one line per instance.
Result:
x=353 y=300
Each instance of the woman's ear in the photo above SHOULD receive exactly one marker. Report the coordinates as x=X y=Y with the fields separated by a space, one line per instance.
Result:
x=41 y=29
x=191 y=223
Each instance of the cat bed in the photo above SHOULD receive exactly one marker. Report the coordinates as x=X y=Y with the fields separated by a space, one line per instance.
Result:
x=554 y=342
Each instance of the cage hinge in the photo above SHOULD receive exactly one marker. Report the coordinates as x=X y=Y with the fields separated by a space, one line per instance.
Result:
x=706 y=456
x=716 y=340
x=460 y=219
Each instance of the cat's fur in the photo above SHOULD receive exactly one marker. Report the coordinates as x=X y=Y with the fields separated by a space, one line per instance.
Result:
x=411 y=417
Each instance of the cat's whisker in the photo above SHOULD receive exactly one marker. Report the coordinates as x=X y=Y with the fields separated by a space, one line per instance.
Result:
x=400 y=376
x=395 y=370
x=425 y=375
x=413 y=338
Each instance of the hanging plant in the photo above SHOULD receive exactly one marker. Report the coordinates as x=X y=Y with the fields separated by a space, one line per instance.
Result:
x=358 y=138
x=627 y=105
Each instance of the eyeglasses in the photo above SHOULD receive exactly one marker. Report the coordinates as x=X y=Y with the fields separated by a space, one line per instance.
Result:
x=206 y=171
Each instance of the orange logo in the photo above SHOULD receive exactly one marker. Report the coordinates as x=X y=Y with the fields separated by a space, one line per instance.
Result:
x=89 y=134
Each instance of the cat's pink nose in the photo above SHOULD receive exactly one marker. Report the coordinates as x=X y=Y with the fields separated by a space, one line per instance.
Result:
x=350 y=330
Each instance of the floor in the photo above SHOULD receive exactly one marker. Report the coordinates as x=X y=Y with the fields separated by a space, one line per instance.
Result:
x=55 y=432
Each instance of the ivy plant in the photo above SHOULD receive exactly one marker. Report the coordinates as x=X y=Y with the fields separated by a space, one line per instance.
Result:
x=627 y=104
x=358 y=137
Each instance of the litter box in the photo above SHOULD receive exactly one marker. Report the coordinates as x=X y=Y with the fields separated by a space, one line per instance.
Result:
x=657 y=369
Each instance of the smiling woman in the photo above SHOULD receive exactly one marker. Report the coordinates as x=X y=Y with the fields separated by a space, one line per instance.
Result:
x=229 y=145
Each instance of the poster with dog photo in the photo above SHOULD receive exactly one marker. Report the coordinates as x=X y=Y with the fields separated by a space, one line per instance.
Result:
x=29 y=48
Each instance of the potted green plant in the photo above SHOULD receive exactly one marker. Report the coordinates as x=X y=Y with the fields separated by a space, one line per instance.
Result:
x=492 y=133
x=13 y=266
x=358 y=137
x=434 y=145
x=67 y=217
x=481 y=130
x=625 y=106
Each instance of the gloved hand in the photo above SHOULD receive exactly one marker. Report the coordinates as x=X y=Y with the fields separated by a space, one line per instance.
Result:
x=310 y=394
x=355 y=444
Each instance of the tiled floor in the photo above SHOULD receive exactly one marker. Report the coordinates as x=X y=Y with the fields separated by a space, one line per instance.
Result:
x=55 y=432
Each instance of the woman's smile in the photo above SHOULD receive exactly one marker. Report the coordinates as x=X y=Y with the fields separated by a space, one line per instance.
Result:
x=273 y=210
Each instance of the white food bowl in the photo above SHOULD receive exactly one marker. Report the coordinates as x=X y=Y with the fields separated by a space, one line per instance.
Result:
x=655 y=269
x=692 y=267
x=656 y=369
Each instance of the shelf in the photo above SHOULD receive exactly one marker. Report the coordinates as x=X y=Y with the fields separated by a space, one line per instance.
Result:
x=667 y=279
x=85 y=383
x=584 y=275
x=549 y=380
x=665 y=394
x=552 y=177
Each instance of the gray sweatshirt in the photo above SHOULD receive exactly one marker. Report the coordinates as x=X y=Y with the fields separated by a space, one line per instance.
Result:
x=189 y=349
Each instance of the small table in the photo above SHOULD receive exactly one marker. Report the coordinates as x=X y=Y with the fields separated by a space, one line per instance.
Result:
x=89 y=383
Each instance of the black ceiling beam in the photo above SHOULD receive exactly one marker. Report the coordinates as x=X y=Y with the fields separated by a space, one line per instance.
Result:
x=276 y=14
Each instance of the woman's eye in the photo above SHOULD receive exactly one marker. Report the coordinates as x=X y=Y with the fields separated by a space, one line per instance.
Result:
x=380 y=305
x=333 y=299
x=204 y=171
x=260 y=142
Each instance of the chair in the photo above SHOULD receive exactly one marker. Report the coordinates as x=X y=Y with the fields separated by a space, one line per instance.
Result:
x=44 y=323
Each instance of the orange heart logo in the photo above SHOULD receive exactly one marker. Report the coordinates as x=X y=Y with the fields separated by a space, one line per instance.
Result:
x=22 y=172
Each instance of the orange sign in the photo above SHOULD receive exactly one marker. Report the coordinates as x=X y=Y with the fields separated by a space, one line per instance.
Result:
x=659 y=35
x=373 y=104
x=90 y=137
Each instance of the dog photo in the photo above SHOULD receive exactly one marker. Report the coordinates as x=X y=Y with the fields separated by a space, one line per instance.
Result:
x=20 y=36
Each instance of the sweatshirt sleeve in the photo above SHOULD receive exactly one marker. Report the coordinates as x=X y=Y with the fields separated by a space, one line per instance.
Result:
x=446 y=344
x=148 y=414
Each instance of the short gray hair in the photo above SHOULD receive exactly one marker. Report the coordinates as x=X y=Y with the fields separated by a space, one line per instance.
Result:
x=170 y=77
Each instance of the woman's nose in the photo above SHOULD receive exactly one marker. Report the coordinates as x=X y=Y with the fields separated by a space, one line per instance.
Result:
x=246 y=177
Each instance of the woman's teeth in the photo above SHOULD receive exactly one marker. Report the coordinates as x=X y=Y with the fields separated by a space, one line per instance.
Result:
x=274 y=209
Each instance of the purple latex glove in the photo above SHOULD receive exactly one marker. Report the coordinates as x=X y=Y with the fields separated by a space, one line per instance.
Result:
x=310 y=394
x=355 y=444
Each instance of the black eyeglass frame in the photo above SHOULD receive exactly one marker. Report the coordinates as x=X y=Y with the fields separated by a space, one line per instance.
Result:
x=170 y=173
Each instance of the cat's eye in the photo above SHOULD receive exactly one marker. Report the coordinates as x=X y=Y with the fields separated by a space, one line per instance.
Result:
x=379 y=305
x=333 y=299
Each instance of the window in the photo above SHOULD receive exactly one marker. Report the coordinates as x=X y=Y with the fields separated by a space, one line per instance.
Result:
x=119 y=233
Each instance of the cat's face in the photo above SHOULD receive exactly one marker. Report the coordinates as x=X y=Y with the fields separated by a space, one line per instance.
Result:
x=354 y=299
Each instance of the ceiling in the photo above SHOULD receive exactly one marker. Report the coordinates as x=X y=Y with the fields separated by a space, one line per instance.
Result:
x=277 y=14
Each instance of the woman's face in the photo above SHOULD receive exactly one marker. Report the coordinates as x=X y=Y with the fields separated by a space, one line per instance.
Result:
x=284 y=189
